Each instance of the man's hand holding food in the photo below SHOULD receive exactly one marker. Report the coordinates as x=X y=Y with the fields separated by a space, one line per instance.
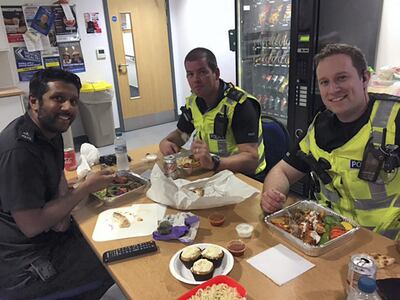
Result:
x=201 y=153
x=96 y=181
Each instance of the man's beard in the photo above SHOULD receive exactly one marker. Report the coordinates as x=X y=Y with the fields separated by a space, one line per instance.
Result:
x=50 y=122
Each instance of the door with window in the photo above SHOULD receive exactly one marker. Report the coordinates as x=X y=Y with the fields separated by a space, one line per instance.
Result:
x=142 y=59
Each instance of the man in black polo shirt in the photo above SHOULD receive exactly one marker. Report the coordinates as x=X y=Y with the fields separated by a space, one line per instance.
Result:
x=226 y=121
x=41 y=251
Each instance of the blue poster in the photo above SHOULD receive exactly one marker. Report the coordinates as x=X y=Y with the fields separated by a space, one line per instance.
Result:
x=43 y=20
x=27 y=62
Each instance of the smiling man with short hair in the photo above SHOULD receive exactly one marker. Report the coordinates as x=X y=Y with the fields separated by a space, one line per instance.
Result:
x=42 y=253
x=342 y=146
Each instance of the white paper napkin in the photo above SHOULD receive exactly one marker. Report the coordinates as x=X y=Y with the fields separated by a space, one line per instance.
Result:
x=280 y=264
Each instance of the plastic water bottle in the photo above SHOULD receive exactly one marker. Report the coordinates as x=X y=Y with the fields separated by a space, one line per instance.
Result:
x=366 y=290
x=121 y=152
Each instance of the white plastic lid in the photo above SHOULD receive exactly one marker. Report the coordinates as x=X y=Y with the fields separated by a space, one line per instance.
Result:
x=244 y=229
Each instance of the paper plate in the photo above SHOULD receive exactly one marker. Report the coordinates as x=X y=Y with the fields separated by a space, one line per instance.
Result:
x=180 y=272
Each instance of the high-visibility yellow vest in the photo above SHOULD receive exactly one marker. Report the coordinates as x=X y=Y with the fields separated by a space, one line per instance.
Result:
x=204 y=124
x=375 y=205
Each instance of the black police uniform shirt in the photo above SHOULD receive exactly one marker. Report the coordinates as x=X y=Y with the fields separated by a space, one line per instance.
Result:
x=244 y=121
x=30 y=169
x=331 y=133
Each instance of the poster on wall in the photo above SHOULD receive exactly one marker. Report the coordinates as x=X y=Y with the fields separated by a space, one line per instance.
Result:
x=27 y=62
x=49 y=42
x=66 y=30
x=53 y=49
x=71 y=57
x=92 y=22
x=51 y=62
x=29 y=11
x=43 y=20
x=14 y=23
x=34 y=42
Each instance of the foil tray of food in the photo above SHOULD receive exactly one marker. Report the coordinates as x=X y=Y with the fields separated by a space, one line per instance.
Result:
x=186 y=162
x=124 y=185
x=311 y=227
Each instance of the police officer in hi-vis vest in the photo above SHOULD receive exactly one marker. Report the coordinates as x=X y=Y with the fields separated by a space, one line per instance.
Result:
x=351 y=148
x=225 y=120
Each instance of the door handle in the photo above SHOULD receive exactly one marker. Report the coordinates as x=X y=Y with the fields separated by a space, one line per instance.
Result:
x=122 y=68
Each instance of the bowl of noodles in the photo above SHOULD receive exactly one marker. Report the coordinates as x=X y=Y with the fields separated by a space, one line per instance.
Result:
x=219 y=287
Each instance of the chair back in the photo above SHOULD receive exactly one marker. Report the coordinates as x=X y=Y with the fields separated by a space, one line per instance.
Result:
x=276 y=141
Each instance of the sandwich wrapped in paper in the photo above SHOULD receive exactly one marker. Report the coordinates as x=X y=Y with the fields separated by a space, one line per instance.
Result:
x=224 y=188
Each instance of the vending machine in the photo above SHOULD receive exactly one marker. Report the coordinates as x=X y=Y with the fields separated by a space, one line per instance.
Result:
x=263 y=53
x=277 y=41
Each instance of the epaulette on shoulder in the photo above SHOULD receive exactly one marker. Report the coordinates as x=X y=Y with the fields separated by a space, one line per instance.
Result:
x=234 y=94
x=385 y=97
x=25 y=135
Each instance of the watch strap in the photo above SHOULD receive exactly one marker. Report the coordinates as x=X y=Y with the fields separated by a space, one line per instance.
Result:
x=216 y=160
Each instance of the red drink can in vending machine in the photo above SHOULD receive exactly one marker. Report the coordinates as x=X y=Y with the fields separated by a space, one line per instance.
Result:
x=69 y=159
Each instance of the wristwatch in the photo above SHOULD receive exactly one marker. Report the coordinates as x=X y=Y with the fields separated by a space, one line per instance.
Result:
x=216 y=160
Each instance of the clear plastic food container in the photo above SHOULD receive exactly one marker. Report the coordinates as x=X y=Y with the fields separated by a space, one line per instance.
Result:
x=244 y=230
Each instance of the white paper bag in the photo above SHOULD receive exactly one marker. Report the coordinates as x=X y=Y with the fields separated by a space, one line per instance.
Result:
x=89 y=156
x=224 y=188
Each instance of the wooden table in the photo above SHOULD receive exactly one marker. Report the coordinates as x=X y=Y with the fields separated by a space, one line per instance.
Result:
x=148 y=277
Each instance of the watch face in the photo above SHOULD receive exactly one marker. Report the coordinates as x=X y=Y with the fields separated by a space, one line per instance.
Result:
x=216 y=160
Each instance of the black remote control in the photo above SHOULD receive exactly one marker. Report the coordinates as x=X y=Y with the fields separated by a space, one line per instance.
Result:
x=129 y=251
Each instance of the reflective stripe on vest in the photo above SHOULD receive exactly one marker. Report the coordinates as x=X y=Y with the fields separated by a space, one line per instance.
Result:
x=331 y=195
x=391 y=233
x=381 y=119
x=367 y=204
x=261 y=158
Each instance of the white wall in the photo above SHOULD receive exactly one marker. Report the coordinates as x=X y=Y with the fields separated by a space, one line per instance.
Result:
x=96 y=70
x=389 y=38
x=201 y=23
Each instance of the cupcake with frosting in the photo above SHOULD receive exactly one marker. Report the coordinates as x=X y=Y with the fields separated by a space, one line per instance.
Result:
x=202 y=269
x=189 y=255
x=213 y=254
